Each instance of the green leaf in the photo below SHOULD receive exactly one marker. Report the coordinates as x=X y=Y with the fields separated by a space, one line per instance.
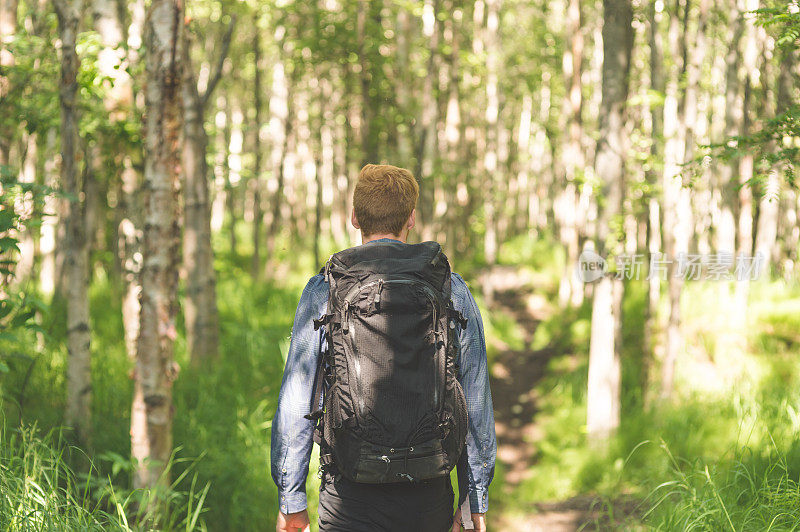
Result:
x=34 y=327
x=8 y=243
x=22 y=318
x=7 y=218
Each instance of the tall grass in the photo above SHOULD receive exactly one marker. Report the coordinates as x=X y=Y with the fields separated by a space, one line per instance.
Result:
x=749 y=492
x=39 y=490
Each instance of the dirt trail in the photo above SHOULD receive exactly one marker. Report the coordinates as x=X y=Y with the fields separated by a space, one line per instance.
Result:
x=515 y=374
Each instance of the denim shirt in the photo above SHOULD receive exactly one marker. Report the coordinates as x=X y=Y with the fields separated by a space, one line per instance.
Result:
x=292 y=434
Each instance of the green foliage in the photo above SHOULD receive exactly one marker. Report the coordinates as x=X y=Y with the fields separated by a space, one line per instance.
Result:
x=32 y=102
x=774 y=143
x=787 y=18
x=222 y=411
x=19 y=310
x=40 y=491
x=751 y=492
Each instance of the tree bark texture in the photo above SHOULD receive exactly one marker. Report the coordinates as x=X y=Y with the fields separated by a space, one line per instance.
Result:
x=151 y=421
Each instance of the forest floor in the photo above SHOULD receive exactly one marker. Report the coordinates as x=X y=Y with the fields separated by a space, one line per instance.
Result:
x=514 y=376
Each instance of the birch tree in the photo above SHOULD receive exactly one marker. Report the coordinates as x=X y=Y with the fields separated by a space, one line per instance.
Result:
x=676 y=199
x=8 y=25
x=200 y=305
x=570 y=290
x=255 y=183
x=76 y=255
x=151 y=418
x=604 y=364
x=492 y=113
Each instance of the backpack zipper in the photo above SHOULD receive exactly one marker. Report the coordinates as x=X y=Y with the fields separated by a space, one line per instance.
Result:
x=430 y=294
x=353 y=292
x=346 y=320
x=356 y=290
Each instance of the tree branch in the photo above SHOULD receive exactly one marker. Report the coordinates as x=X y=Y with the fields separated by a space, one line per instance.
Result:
x=214 y=80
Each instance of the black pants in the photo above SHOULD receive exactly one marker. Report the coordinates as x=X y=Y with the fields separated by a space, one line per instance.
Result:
x=346 y=506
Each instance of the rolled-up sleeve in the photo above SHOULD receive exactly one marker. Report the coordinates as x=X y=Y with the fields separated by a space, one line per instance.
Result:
x=292 y=434
x=476 y=469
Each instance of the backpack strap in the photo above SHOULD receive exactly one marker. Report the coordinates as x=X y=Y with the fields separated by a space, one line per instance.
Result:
x=322 y=321
x=319 y=379
x=316 y=396
x=316 y=413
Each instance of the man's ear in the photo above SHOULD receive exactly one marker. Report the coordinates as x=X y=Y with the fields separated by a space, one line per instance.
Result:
x=354 y=220
x=412 y=220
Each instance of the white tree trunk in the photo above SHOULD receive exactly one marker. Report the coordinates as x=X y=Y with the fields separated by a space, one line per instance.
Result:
x=745 y=222
x=725 y=220
x=604 y=368
x=151 y=420
x=570 y=289
x=492 y=42
x=677 y=202
x=200 y=304
x=76 y=257
x=47 y=237
x=8 y=27
x=256 y=183
x=603 y=397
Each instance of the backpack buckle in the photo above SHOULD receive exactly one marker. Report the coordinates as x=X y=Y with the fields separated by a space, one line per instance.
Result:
x=446 y=425
x=313 y=416
x=457 y=317
x=325 y=462
x=375 y=305
x=322 y=320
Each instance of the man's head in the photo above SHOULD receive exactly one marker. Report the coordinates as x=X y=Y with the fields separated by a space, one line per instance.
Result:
x=384 y=202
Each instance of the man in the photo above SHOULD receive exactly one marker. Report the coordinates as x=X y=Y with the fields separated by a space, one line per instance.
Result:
x=384 y=204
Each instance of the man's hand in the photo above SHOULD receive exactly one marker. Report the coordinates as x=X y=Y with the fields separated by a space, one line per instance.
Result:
x=294 y=522
x=478 y=521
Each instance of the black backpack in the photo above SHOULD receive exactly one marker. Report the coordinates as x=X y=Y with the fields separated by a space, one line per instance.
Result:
x=393 y=409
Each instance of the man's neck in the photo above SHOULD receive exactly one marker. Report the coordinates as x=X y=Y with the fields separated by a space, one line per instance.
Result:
x=371 y=238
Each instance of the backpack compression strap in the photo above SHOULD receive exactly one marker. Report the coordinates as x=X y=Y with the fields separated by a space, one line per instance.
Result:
x=315 y=408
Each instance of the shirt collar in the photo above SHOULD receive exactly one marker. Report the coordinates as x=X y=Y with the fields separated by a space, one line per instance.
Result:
x=385 y=240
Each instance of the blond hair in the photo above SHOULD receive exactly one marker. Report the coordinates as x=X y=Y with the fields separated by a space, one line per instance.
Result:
x=384 y=198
